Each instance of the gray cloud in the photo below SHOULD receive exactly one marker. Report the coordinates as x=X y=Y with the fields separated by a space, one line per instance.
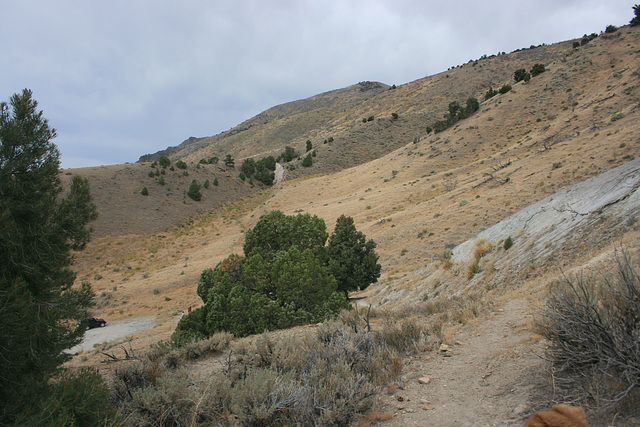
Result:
x=124 y=78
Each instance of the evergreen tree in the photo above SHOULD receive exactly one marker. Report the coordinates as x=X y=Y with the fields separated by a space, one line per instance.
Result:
x=472 y=106
x=39 y=229
x=352 y=259
x=636 y=19
x=307 y=161
x=521 y=74
x=194 y=191
x=164 y=161
x=276 y=231
x=282 y=281
x=537 y=69
x=248 y=167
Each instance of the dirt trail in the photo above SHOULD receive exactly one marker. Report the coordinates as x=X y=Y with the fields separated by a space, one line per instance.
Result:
x=484 y=379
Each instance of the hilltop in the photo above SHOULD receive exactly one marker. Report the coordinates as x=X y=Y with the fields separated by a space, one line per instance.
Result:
x=419 y=195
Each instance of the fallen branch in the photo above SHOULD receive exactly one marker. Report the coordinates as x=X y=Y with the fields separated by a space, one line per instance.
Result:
x=128 y=355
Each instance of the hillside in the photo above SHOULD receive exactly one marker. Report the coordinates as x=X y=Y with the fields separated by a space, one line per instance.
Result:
x=416 y=194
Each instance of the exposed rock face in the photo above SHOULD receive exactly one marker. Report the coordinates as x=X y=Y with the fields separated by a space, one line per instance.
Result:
x=596 y=207
x=564 y=226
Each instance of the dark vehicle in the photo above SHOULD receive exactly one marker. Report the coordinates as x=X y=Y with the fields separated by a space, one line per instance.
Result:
x=92 y=322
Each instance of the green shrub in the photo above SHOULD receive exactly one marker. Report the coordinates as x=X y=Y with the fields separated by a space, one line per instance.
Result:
x=507 y=243
x=308 y=161
x=521 y=74
x=611 y=29
x=164 y=161
x=576 y=45
x=206 y=184
x=505 y=88
x=152 y=174
x=144 y=191
x=242 y=176
x=472 y=106
x=194 y=191
x=215 y=181
x=288 y=155
x=229 y=162
x=394 y=116
x=490 y=93
x=180 y=164
x=537 y=69
x=248 y=167
x=161 y=180
x=309 y=145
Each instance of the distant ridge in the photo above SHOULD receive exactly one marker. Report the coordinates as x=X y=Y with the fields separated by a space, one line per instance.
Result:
x=327 y=100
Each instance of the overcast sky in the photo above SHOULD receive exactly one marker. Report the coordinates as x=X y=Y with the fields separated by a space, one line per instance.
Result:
x=118 y=79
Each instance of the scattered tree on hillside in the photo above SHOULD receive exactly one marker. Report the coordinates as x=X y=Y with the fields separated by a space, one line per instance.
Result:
x=262 y=170
x=490 y=93
x=194 y=191
x=521 y=74
x=307 y=161
x=164 y=161
x=229 y=162
x=505 y=88
x=472 y=106
x=309 y=145
x=288 y=155
x=39 y=229
x=248 y=167
x=181 y=164
x=455 y=113
x=537 y=69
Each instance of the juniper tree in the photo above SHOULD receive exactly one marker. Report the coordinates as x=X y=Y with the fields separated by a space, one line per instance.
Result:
x=194 y=191
x=352 y=258
x=39 y=229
